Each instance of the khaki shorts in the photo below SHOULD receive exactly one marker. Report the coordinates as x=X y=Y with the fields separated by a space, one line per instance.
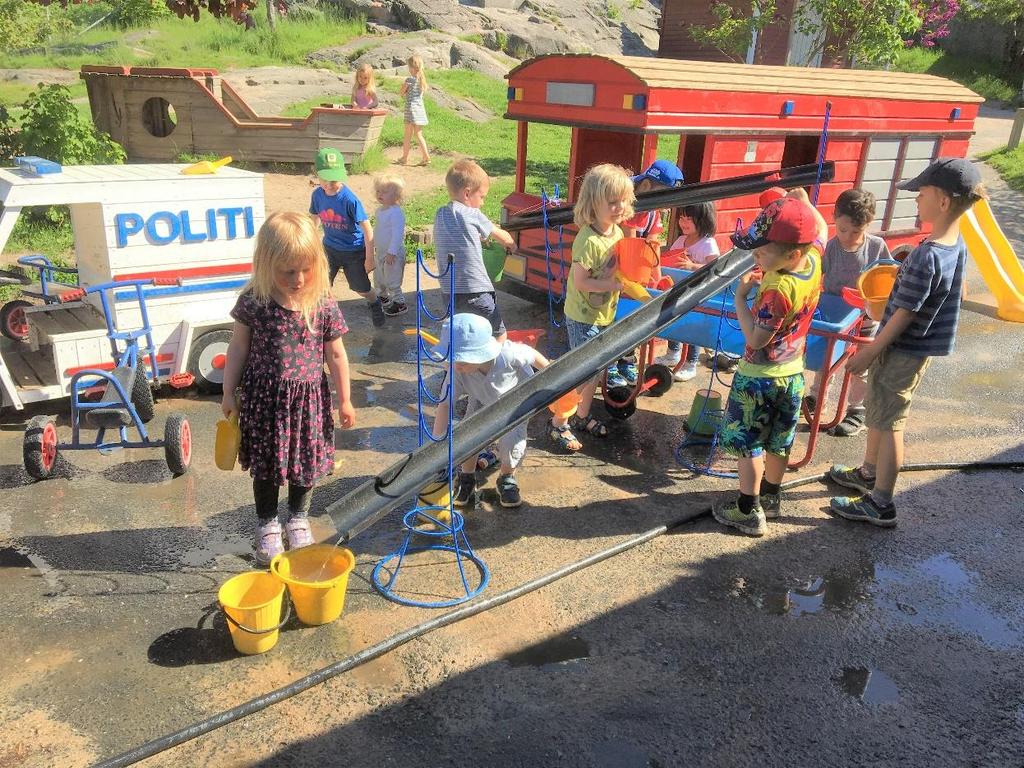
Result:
x=892 y=380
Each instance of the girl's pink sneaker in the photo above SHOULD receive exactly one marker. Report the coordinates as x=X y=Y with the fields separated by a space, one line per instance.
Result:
x=268 y=541
x=299 y=532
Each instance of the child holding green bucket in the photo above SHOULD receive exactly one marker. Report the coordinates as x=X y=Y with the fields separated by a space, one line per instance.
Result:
x=919 y=323
x=286 y=327
x=764 y=401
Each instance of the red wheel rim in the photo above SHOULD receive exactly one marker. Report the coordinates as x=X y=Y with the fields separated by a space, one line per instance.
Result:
x=49 y=447
x=185 y=443
x=17 y=322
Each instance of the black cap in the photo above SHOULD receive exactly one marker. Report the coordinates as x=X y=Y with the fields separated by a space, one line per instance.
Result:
x=953 y=175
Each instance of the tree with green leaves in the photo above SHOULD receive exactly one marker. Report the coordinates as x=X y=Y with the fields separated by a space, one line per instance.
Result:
x=239 y=11
x=1009 y=14
x=865 y=31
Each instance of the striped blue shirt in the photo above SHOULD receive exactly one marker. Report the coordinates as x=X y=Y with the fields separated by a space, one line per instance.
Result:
x=929 y=284
x=460 y=231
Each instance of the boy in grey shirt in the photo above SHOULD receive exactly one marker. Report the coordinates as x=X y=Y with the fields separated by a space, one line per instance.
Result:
x=460 y=228
x=845 y=257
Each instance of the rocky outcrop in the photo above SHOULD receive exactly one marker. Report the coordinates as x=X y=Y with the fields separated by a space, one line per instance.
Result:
x=526 y=28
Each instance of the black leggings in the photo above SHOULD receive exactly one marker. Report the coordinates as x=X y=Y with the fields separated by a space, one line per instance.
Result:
x=266 y=494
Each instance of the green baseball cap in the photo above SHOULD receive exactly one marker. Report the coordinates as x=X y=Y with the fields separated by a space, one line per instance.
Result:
x=330 y=165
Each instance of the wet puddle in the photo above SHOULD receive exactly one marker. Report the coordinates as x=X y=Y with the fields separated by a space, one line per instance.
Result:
x=869 y=685
x=818 y=593
x=621 y=754
x=12 y=557
x=561 y=650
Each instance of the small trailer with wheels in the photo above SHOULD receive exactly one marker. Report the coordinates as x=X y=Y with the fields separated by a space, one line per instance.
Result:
x=192 y=236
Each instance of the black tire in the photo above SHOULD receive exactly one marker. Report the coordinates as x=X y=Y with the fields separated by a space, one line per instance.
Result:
x=663 y=379
x=142 y=394
x=40 y=447
x=617 y=395
x=177 y=444
x=12 y=319
x=201 y=358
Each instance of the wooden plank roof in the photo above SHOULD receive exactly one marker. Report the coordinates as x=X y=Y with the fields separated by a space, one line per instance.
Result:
x=756 y=78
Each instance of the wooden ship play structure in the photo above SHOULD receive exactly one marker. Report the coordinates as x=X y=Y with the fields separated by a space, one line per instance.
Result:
x=160 y=113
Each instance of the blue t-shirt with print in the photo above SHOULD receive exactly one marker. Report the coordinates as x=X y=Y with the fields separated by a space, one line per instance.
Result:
x=340 y=216
x=929 y=284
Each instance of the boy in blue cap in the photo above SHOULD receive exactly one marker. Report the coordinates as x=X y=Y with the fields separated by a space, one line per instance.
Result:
x=919 y=323
x=485 y=369
x=661 y=174
x=348 y=236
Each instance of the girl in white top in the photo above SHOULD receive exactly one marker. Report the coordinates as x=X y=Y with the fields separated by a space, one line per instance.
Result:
x=697 y=225
x=389 y=243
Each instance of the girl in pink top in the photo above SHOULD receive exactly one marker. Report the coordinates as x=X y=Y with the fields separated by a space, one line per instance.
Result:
x=364 y=88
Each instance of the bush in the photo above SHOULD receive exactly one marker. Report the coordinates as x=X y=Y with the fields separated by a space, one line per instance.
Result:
x=137 y=13
x=23 y=25
x=52 y=127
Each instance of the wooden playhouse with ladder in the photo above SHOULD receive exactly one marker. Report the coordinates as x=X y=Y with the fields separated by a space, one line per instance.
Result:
x=160 y=113
x=730 y=120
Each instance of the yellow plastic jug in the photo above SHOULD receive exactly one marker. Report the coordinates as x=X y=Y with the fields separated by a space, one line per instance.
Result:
x=225 y=450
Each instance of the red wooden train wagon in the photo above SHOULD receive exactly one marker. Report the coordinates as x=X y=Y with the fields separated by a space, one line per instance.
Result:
x=735 y=119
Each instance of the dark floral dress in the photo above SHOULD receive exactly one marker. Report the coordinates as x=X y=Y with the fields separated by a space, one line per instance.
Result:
x=285 y=414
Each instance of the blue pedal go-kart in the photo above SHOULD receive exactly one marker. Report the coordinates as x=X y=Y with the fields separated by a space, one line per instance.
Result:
x=126 y=400
x=49 y=289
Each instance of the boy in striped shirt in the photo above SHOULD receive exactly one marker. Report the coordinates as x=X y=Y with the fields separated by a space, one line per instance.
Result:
x=919 y=323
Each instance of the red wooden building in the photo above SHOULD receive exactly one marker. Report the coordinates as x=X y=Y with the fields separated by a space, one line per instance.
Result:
x=734 y=119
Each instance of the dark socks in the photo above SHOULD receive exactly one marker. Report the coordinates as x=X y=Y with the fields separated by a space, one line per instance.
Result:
x=748 y=503
x=767 y=487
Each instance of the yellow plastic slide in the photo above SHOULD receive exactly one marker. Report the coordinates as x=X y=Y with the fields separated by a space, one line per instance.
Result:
x=996 y=260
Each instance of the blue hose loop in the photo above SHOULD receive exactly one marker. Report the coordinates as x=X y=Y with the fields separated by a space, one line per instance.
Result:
x=552 y=299
x=821 y=152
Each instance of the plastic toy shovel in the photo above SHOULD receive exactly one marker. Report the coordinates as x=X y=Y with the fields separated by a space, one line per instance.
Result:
x=427 y=337
x=205 y=166
x=225 y=449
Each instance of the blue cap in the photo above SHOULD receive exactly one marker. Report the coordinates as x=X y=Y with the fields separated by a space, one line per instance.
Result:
x=663 y=172
x=474 y=339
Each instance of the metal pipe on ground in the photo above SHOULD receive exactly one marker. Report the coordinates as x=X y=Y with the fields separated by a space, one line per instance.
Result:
x=375 y=498
x=691 y=194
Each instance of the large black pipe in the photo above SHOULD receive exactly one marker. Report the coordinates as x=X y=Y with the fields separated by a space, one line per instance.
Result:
x=369 y=502
x=691 y=194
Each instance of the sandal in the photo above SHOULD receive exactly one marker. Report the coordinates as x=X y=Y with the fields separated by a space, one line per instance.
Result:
x=486 y=460
x=589 y=424
x=564 y=437
x=852 y=424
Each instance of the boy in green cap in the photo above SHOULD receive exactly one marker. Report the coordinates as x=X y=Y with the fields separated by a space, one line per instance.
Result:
x=348 y=236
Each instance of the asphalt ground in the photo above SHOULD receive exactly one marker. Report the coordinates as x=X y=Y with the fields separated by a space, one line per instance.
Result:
x=822 y=643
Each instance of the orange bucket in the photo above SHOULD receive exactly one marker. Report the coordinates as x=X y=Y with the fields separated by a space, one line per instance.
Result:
x=875 y=285
x=637 y=259
x=565 y=406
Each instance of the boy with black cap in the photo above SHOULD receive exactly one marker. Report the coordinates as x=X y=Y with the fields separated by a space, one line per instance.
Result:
x=764 y=400
x=348 y=236
x=919 y=323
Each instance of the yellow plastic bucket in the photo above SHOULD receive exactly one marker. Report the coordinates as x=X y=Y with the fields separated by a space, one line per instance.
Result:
x=252 y=605
x=875 y=285
x=317 y=577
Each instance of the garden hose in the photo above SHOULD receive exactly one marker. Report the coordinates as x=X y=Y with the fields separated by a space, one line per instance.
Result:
x=252 y=706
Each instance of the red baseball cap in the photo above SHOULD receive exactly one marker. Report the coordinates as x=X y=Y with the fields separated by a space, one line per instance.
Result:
x=787 y=220
x=770 y=195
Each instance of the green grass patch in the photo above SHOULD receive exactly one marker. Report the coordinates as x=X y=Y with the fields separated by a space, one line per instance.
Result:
x=37 y=235
x=371 y=161
x=985 y=77
x=304 y=107
x=210 y=42
x=1010 y=164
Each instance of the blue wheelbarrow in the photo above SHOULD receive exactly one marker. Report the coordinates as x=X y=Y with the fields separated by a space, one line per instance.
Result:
x=126 y=400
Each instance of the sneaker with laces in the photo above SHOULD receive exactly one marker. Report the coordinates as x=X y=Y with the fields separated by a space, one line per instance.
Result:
x=863 y=509
x=729 y=514
x=615 y=379
x=851 y=477
x=298 y=532
x=771 y=503
x=393 y=308
x=508 y=491
x=466 y=495
x=267 y=542
x=629 y=372
x=687 y=372
x=670 y=359
x=377 y=314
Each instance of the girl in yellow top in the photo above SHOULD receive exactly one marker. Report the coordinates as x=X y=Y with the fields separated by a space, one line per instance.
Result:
x=592 y=291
